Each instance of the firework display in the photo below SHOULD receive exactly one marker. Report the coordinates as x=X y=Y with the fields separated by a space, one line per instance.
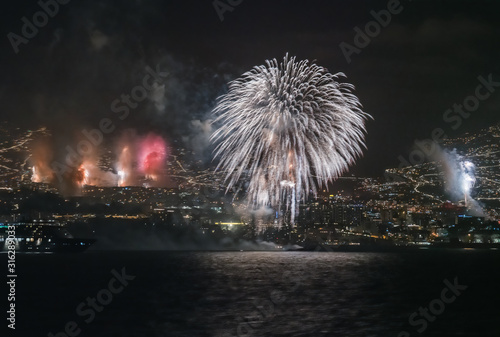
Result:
x=137 y=160
x=152 y=156
x=288 y=127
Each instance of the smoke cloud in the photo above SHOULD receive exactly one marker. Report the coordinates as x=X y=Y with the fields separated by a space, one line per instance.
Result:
x=459 y=179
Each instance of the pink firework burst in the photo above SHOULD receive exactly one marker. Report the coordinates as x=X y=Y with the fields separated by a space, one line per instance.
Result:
x=152 y=154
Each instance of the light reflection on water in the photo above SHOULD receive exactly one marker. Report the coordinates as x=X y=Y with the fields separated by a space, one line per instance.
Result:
x=262 y=293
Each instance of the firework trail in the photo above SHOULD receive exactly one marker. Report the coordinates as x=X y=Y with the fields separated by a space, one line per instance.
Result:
x=41 y=157
x=125 y=167
x=459 y=180
x=289 y=127
x=468 y=179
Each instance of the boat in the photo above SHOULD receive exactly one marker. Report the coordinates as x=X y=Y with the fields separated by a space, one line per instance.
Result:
x=40 y=236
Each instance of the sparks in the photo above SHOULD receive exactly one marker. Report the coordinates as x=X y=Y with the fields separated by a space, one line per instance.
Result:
x=289 y=127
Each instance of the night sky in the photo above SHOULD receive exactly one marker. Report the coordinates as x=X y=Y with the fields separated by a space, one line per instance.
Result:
x=427 y=59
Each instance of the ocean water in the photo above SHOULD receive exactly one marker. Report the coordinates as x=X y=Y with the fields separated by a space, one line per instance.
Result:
x=257 y=294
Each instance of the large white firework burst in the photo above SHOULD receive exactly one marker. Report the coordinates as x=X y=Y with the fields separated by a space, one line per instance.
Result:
x=288 y=127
